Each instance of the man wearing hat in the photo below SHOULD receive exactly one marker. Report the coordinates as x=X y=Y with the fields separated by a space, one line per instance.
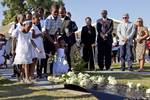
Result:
x=126 y=32
x=104 y=40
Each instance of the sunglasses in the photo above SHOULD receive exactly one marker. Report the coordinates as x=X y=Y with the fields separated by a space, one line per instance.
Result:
x=139 y=21
x=125 y=17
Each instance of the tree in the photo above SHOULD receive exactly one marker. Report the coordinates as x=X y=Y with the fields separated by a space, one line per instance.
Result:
x=20 y=6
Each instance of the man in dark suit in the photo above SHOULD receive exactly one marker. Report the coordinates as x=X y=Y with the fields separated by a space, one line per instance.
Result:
x=88 y=36
x=67 y=30
x=104 y=41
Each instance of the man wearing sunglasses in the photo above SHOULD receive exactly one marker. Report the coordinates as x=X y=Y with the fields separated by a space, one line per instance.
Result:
x=126 y=32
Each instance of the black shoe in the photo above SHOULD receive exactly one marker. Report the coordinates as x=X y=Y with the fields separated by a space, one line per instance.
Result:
x=39 y=76
x=122 y=69
x=130 y=69
x=13 y=76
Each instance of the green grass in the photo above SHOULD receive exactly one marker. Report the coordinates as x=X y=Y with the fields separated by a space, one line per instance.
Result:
x=135 y=67
x=15 y=91
x=126 y=77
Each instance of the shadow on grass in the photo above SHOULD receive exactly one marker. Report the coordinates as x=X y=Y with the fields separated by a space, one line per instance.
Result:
x=14 y=90
x=5 y=81
x=45 y=97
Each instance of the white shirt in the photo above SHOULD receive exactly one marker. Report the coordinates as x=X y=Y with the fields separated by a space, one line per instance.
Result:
x=52 y=25
x=104 y=19
x=42 y=22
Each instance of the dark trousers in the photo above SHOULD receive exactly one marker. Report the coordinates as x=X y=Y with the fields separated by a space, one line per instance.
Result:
x=17 y=70
x=40 y=66
x=44 y=65
x=104 y=54
x=88 y=56
x=49 y=48
x=68 y=56
x=126 y=54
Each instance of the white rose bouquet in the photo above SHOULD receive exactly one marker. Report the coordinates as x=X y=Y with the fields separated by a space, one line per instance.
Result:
x=87 y=83
x=112 y=80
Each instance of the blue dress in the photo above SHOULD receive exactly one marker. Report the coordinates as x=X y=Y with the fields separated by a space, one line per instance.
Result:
x=60 y=65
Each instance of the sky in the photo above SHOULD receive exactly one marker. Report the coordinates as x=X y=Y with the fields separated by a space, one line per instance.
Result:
x=1 y=13
x=116 y=8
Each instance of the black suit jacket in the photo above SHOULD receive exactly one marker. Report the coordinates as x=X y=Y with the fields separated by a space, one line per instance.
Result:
x=108 y=29
x=88 y=35
x=72 y=27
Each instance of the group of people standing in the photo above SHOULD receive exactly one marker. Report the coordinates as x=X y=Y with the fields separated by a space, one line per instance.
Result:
x=131 y=35
x=35 y=39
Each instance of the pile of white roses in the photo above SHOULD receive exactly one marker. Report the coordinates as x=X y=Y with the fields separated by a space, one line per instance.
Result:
x=85 y=80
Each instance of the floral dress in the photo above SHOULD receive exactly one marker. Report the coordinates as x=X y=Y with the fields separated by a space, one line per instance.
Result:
x=140 y=47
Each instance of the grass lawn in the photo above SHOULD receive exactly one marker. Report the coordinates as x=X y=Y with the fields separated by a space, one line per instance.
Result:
x=126 y=77
x=14 y=91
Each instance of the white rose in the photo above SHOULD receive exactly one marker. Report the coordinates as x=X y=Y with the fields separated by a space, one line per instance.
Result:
x=138 y=86
x=80 y=75
x=113 y=82
x=63 y=75
x=148 y=91
x=130 y=84
x=68 y=81
x=86 y=83
x=70 y=74
x=49 y=78
x=73 y=80
x=94 y=78
x=87 y=75
x=111 y=78
x=100 y=80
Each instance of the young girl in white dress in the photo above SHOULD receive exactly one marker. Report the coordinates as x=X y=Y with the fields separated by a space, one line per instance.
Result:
x=37 y=38
x=23 y=49
x=60 y=65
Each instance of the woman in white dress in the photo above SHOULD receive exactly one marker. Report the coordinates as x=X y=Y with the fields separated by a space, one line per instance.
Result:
x=60 y=65
x=37 y=38
x=23 y=49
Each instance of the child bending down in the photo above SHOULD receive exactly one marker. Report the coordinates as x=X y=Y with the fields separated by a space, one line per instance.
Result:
x=60 y=65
